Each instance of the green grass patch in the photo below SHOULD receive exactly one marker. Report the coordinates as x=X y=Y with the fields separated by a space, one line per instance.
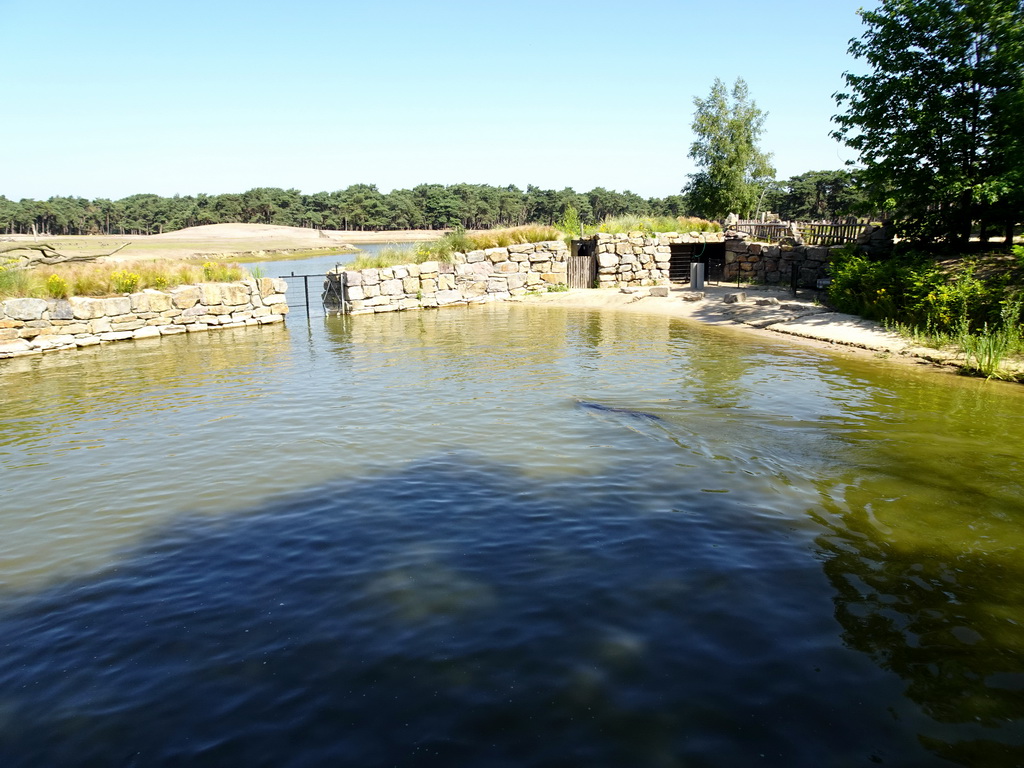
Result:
x=456 y=241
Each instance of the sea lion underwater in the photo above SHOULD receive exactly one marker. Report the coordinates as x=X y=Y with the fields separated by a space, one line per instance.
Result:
x=589 y=405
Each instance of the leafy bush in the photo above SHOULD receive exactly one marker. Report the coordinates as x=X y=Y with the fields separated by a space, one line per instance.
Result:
x=913 y=289
x=937 y=307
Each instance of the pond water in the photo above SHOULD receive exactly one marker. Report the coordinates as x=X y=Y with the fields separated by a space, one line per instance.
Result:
x=506 y=536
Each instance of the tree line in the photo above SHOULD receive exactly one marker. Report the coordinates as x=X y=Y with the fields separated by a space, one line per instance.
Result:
x=817 y=194
x=358 y=207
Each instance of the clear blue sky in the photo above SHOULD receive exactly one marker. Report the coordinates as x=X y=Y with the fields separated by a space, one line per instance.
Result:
x=111 y=98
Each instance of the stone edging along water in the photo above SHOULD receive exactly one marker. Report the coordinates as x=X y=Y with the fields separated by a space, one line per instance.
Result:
x=32 y=326
x=622 y=261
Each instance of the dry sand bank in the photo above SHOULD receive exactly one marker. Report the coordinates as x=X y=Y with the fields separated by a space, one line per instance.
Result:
x=223 y=241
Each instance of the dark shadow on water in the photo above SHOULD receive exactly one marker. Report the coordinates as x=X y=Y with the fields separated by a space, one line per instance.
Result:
x=453 y=613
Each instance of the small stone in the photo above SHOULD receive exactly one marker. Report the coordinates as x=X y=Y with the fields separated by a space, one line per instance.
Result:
x=734 y=298
x=771 y=301
x=691 y=295
x=659 y=290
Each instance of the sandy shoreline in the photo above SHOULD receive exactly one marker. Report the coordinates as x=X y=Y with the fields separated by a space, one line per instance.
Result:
x=767 y=312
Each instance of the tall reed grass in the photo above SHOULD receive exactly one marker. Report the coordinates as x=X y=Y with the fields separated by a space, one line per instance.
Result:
x=456 y=241
x=650 y=225
x=107 y=279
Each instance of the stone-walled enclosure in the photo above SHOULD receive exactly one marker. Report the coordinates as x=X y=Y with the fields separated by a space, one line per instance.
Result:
x=622 y=261
x=495 y=274
x=636 y=259
x=31 y=326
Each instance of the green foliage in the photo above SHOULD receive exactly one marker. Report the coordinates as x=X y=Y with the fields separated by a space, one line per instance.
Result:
x=390 y=256
x=218 y=272
x=56 y=287
x=358 y=207
x=936 y=121
x=558 y=288
x=457 y=241
x=13 y=281
x=571 y=224
x=818 y=195
x=912 y=289
x=937 y=307
x=1018 y=256
x=650 y=225
x=256 y=271
x=106 y=279
x=985 y=351
x=733 y=172
x=124 y=281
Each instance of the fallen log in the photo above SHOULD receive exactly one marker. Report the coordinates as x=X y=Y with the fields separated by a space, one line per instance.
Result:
x=49 y=255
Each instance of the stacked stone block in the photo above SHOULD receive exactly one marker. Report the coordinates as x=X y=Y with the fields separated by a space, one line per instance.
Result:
x=635 y=259
x=494 y=274
x=30 y=326
x=773 y=264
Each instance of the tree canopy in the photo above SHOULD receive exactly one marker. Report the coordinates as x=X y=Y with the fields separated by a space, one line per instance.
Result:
x=938 y=119
x=818 y=195
x=733 y=172
x=359 y=206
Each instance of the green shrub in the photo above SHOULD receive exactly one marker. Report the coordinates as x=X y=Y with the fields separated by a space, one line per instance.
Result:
x=571 y=224
x=912 y=289
x=124 y=281
x=56 y=287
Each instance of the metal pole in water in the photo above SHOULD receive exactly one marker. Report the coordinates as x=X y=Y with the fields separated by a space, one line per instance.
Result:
x=305 y=283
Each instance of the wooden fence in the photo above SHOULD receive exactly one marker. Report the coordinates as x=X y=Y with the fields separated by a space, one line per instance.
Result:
x=813 y=233
x=582 y=269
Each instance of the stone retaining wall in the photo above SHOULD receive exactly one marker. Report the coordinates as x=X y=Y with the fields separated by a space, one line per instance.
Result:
x=771 y=264
x=31 y=326
x=623 y=260
x=636 y=259
x=494 y=274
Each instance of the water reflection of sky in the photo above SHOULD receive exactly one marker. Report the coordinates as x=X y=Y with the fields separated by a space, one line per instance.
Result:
x=420 y=512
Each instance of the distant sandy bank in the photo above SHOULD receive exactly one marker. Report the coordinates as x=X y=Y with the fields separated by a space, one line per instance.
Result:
x=224 y=241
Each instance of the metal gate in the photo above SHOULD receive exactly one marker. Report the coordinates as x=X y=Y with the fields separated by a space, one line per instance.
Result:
x=711 y=255
x=582 y=265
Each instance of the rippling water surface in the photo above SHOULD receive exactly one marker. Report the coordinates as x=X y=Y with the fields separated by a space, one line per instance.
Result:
x=506 y=536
